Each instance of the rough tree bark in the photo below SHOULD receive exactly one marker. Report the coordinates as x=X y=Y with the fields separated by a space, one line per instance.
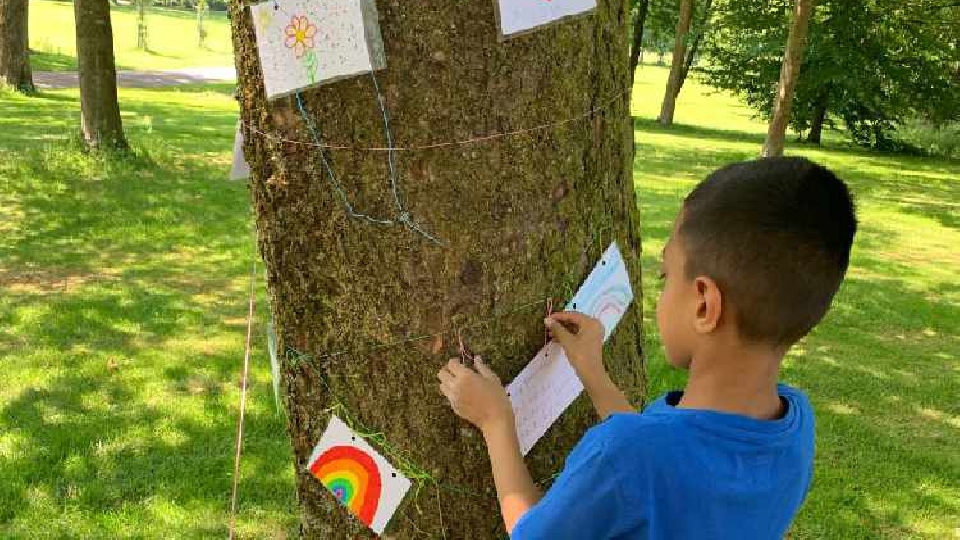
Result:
x=676 y=69
x=636 y=47
x=14 y=46
x=99 y=110
x=789 y=71
x=521 y=218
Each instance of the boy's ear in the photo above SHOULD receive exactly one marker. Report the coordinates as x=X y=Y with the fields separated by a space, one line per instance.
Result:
x=709 y=305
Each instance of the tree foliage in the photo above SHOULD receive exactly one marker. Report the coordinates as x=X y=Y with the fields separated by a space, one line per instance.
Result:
x=869 y=63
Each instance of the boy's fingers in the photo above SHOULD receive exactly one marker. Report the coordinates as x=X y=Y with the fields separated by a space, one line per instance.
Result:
x=485 y=370
x=445 y=376
x=571 y=317
x=560 y=334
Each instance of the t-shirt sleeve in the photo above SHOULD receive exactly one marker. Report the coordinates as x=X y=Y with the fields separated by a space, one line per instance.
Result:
x=586 y=500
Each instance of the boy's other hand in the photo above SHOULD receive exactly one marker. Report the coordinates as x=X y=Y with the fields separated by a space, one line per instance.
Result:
x=477 y=396
x=581 y=337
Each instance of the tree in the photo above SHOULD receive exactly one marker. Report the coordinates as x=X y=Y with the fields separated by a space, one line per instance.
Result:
x=792 y=58
x=142 y=25
x=519 y=218
x=674 y=82
x=639 y=21
x=868 y=64
x=99 y=110
x=14 y=46
x=201 y=30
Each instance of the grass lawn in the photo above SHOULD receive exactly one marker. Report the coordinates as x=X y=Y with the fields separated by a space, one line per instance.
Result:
x=171 y=38
x=122 y=305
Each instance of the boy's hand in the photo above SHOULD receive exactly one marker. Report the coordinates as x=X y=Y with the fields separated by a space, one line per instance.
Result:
x=581 y=337
x=476 y=396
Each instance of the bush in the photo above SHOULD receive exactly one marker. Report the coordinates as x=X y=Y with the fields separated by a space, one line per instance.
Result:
x=929 y=139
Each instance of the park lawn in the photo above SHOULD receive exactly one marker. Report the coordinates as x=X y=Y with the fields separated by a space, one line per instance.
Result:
x=171 y=38
x=123 y=297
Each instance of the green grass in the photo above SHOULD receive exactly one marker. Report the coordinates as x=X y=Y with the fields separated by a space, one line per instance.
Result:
x=171 y=38
x=122 y=305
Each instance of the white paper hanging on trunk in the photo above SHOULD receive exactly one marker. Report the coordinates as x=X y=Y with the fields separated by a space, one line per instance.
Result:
x=240 y=170
x=358 y=476
x=518 y=16
x=304 y=43
x=549 y=384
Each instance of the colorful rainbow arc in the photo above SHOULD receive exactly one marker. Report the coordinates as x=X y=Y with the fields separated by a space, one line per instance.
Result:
x=353 y=477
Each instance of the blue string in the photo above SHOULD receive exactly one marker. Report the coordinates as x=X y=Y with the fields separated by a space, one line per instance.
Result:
x=403 y=215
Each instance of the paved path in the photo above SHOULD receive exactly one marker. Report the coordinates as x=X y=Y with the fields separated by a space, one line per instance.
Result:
x=140 y=79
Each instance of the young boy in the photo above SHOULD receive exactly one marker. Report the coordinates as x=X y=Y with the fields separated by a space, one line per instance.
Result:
x=756 y=255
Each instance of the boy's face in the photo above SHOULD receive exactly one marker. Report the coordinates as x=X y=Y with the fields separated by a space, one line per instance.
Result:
x=676 y=308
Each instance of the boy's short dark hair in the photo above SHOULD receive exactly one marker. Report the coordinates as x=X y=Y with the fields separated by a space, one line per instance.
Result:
x=775 y=234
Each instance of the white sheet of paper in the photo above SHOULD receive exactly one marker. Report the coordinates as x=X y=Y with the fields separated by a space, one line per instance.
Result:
x=240 y=170
x=549 y=384
x=360 y=478
x=309 y=42
x=520 y=15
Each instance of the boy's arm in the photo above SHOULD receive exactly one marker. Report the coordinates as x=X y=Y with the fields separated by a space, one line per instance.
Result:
x=584 y=348
x=516 y=491
x=479 y=397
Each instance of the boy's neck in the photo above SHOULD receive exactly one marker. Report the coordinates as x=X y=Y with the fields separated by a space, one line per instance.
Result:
x=739 y=380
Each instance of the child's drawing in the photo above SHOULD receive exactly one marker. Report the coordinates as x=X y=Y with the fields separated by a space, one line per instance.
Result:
x=303 y=43
x=549 y=384
x=522 y=15
x=359 y=477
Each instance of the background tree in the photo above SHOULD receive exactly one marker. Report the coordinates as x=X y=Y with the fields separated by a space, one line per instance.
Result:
x=674 y=82
x=640 y=11
x=870 y=64
x=142 y=24
x=790 y=70
x=14 y=46
x=201 y=30
x=519 y=218
x=100 y=122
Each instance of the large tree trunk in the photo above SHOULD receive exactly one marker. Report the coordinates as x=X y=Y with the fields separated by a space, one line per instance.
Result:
x=676 y=69
x=695 y=45
x=99 y=110
x=520 y=218
x=15 y=46
x=819 y=117
x=636 y=48
x=789 y=72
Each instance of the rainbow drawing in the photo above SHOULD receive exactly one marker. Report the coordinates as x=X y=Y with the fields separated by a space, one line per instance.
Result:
x=359 y=477
x=353 y=477
x=606 y=293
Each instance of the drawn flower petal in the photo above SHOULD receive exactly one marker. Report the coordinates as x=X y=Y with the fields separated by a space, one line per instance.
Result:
x=291 y=41
x=308 y=42
x=299 y=49
x=310 y=31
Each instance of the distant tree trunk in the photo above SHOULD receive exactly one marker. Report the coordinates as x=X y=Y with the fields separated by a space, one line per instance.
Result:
x=819 y=117
x=676 y=69
x=99 y=110
x=639 y=21
x=695 y=45
x=789 y=72
x=520 y=218
x=142 y=25
x=15 y=46
x=201 y=30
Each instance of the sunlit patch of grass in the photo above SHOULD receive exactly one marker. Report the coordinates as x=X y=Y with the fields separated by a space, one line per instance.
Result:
x=171 y=38
x=882 y=370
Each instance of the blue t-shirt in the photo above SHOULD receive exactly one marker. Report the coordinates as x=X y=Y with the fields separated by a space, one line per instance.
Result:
x=674 y=473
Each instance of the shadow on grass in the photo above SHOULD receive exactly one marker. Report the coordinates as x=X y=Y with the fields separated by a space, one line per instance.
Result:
x=122 y=305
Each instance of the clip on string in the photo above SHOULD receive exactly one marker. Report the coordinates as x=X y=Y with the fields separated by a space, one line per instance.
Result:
x=403 y=215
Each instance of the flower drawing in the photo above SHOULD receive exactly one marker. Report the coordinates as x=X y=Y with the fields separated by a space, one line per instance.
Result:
x=300 y=34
